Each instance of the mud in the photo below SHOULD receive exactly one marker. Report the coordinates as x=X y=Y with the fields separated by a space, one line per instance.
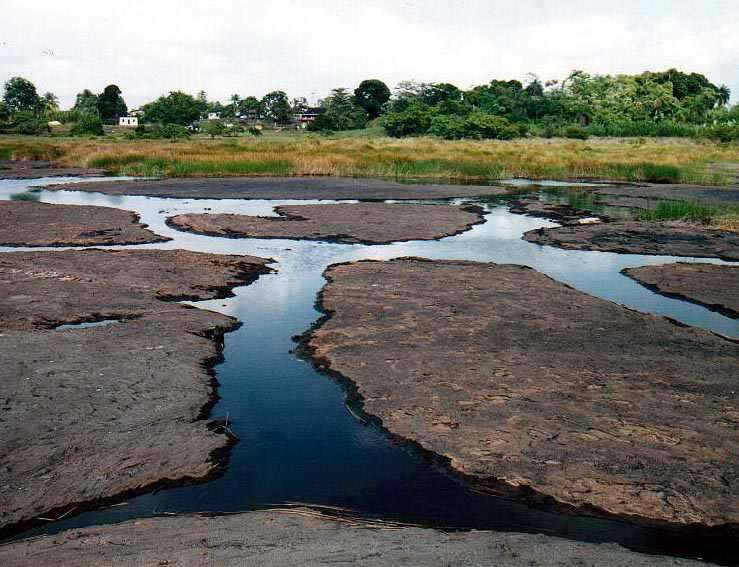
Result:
x=367 y=223
x=532 y=389
x=283 y=188
x=634 y=237
x=24 y=223
x=92 y=413
x=713 y=286
x=34 y=169
x=304 y=537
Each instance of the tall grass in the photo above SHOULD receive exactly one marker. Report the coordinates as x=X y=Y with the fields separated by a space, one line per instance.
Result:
x=674 y=161
x=690 y=211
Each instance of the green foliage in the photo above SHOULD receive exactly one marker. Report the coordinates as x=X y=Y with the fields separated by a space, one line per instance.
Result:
x=110 y=103
x=692 y=211
x=449 y=127
x=576 y=133
x=213 y=128
x=254 y=131
x=414 y=120
x=340 y=112
x=28 y=124
x=87 y=102
x=173 y=132
x=276 y=107
x=175 y=108
x=723 y=132
x=20 y=95
x=24 y=197
x=4 y=111
x=88 y=125
x=251 y=106
x=371 y=95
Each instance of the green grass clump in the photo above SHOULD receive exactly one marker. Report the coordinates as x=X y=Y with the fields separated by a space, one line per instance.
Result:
x=692 y=211
x=24 y=197
x=266 y=167
x=6 y=153
x=652 y=172
x=116 y=162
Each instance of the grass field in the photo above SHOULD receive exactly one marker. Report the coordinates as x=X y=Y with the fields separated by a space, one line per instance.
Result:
x=662 y=161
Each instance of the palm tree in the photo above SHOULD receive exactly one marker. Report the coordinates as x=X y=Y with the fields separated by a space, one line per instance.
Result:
x=724 y=95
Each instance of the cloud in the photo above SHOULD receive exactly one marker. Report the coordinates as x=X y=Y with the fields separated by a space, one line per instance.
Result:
x=249 y=47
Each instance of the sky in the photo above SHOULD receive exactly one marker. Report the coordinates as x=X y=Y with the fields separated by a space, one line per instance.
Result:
x=307 y=48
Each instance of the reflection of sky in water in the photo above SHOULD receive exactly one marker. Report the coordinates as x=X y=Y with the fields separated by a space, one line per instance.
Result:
x=298 y=442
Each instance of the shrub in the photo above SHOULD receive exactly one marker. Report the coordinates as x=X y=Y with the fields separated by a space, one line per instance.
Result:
x=486 y=126
x=414 y=120
x=724 y=132
x=28 y=124
x=88 y=125
x=173 y=132
x=448 y=127
x=576 y=133
x=254 y=131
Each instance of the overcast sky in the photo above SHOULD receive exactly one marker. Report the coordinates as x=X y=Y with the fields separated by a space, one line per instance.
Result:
x=307 y=48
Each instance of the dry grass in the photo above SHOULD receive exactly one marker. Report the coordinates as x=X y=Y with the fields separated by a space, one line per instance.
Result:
x=678 y=161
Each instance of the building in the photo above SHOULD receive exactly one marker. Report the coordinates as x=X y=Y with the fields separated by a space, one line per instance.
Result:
x=128 y=121
x=214 y=116
x=306 y=116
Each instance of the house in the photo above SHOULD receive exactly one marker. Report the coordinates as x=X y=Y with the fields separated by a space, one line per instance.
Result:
x=214 y=116
x=128 y=121
x=306 y=116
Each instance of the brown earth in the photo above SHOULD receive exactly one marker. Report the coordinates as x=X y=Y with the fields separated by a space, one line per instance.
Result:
x=92 y=413
x=635 y=237
x=30 y=169
x=302 y=537
x=369 y=223
x=24 y=223
x=283 y=188
x=533 y=389
x=714 y=286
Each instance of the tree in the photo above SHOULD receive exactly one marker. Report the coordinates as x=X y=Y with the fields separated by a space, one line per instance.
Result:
x=415 y=119
x=111 y=104
x=87 y=102
x=340 y=112
x=371 y=95
x=175 y=108
x=202 y=102
x=20 y=95
x=4 y=111
x=276 y=107
x=49 y=102
x=250 y=107
x=724 y=95
x=214 y=128
x=88 y=125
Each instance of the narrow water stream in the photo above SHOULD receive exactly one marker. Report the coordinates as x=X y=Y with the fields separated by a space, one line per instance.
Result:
x=300 y=442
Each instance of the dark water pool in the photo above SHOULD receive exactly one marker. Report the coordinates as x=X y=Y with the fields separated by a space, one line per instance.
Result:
x=300 y=442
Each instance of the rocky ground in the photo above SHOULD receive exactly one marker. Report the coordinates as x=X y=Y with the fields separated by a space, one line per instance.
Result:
x=30 y=169
x=646 y=192
x=24 y=223
x=532 y=388
x=300 y=537
x=284 y=188
x=368 y=223
x=563 y=214
x=93 y=413
x=713 y=286
x=636 y=237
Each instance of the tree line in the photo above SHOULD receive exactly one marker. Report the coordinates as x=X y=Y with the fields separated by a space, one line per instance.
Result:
x=666 y=103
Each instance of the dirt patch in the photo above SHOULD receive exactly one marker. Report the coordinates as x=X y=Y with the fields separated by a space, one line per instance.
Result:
x=24 y=223
x=30 y=169
x=634 y=237
x=283 y=188
x=303 y=537
x=533 y=389
x=90 y=413
x=368 y=223
x=713 y=286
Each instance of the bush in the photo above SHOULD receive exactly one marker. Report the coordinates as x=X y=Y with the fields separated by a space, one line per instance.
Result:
x=448 y=127
x=486 y=126
x=29 y=124
x=254 y=131
x=173 y=132
x=576 y=133
x=414 y=120
x=723 y=132
x=88 y=125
